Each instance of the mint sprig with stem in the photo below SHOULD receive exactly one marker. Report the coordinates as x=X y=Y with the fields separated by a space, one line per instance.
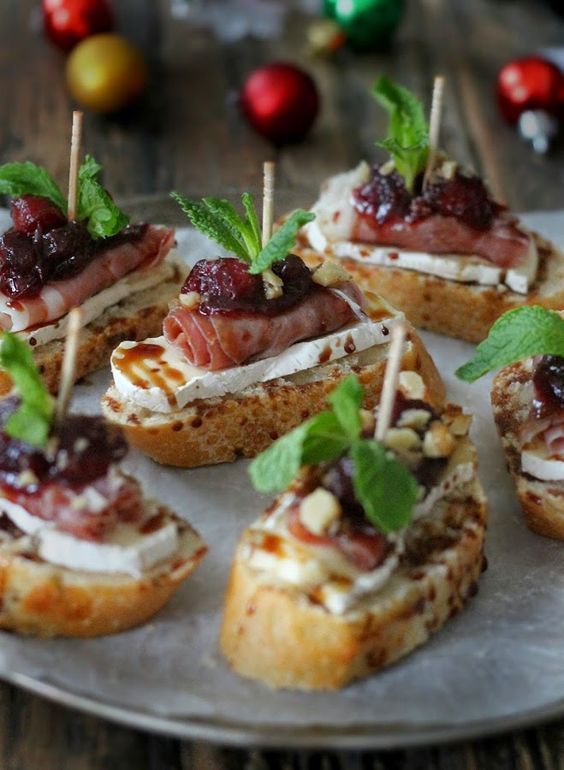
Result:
x=94 y=203
x=383 y=485
x=408 y=132
x=520 y=333
x=241 y=235
x=31 y=422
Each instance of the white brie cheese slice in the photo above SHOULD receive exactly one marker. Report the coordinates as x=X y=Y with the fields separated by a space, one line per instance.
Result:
x=179 y=382
x=94 y=306
x=125 y=550
x=453 y=267
x=537 y=461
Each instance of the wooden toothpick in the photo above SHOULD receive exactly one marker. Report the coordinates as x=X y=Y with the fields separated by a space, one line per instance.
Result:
x=76 y=136
x=391 y=377
x=434 y=127
x=268 y=201
x=68 y=371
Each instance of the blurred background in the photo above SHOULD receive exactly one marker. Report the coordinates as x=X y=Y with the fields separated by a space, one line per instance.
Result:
x=186 y=108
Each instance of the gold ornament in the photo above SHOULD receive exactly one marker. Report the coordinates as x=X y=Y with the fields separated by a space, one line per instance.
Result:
x=105 y=73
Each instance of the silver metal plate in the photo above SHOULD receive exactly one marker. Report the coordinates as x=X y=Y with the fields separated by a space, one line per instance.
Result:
x=496 y=666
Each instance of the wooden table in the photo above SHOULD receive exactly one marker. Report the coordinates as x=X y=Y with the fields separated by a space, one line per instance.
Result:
x=187 y=134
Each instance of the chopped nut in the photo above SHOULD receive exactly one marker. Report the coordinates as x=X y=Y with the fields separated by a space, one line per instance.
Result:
x=402 y=440
x=272 y=284
x=414 y=418
x=319 y=511
x=330 y=274
x=448 y=169
x=438 y=441
x=191 y=300
x=27 y=478
x=80 y=444
x=367 y=420
x=412 y=385
x=458 y=424
x=387 y=168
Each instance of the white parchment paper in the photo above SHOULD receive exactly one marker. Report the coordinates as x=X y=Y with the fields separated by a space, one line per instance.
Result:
x=503 y=656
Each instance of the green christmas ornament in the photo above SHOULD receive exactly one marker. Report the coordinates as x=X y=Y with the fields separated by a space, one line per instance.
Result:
x=369 y=25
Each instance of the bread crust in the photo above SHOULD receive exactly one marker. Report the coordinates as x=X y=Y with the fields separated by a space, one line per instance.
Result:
x=276 y=634
x=220 y=430
x=542 y=501
x=134 y=318
x=45 y=600
x=462 y=310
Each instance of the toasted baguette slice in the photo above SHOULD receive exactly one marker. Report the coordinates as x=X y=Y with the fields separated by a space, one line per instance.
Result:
x=137 y=316
x=462 y=310
x=542 y=501
x=47 y=600
x=243 y=424
x=279 y=634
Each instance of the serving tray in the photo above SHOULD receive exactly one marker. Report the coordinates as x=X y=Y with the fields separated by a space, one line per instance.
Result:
x=497 y=665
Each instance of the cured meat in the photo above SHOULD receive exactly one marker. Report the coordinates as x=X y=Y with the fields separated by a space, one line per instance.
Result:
x=218 y=341
x=350 y=210
x=87 y=513
x=503 y=243
x=546 y=417
x=57 y=298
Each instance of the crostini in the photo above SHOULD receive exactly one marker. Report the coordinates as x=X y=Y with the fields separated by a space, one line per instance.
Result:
x=251 y=347
x=527 y=396
x=430 y=239
x=369 y=549
x=82 y=552
x=122 y=275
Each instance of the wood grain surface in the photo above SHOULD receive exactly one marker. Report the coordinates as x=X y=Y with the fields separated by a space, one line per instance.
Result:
x=187 y=134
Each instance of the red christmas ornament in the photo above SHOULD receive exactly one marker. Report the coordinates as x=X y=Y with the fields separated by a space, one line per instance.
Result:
x=531 y=83
x=280 y=101
x=67 y=22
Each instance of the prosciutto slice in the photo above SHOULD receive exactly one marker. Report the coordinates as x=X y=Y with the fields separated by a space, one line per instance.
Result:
x=219 y=341
x=503 y=243
x=57 y=298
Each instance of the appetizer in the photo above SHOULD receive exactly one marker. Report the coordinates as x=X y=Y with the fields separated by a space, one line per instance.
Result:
x=82 y=552
x=120 y=274
x=251 y=347
x=527 y=395
x=427 y=234
x=371 y=545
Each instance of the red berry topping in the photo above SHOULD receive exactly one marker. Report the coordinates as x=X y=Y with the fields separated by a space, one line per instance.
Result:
x=463 y=197
x=32 y=212
x=83 y=449
x=21 y=265
x=383 y=197
x=226 y=286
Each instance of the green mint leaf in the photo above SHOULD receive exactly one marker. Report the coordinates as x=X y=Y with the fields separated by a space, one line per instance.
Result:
x=385 y=488
x=408 y=136
x=282 y=242
x=319 y=439
x=31 y=422
x=18 y=179
x=95 y=204
x=520 y=333
x=239 y=228
x=346 y=401
x=211 y=224
x=252 y=224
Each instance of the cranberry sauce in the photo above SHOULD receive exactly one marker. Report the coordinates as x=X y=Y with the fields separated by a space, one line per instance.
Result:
x=43 y=246
x=466 y=198
x=80 y=451
x=226 y=286
x=548 y=381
